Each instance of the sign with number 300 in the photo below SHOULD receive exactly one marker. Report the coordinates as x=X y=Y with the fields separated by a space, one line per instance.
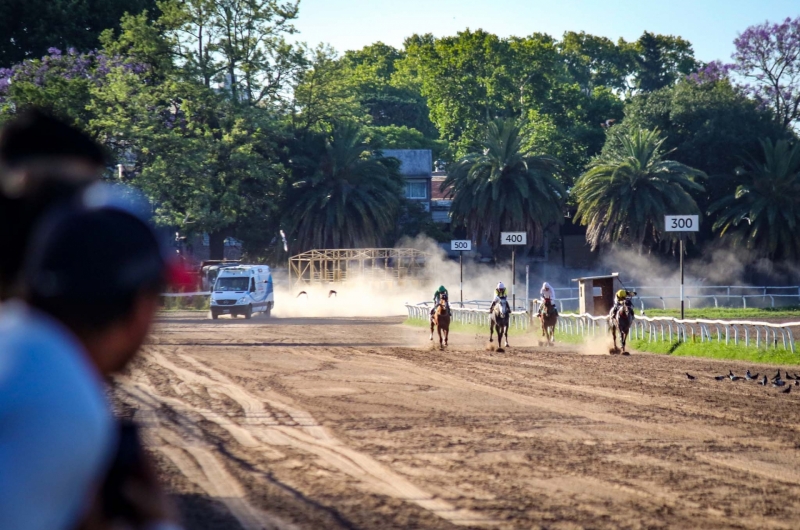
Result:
x=681 y=223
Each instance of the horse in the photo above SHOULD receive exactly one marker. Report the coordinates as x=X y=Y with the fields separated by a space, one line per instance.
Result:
x=441 y=321
x=622 y=322
x=549 y=319
x=501 y=314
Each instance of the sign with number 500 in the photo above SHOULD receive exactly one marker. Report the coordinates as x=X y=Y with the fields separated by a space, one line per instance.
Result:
x=681 y=223
x=513 y=238
x=463 y=245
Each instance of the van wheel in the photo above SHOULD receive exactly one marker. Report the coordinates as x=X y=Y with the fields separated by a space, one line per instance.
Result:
x=268 y=312
x=214 y=314
x=248 y=312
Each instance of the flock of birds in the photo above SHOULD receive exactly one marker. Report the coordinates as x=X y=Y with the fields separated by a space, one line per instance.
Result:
x=776 y=380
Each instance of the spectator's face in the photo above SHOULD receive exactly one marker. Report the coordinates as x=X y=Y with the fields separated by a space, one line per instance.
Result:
x=126 y=337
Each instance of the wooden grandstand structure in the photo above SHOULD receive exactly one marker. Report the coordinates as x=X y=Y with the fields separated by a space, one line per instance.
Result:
x=387 y=267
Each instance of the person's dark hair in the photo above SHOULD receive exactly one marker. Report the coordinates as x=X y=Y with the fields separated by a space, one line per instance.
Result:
x=87 y=268
x=35 y=134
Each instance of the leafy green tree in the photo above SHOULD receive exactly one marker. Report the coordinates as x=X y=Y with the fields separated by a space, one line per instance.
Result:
x=661 y=60
x=30 y=27
x=594 y=61
x=206 y=163
x=466 y=81
x=325 y=94
x=371 y=71
x=394 y=137
x=350 y=200
x=625 y=194
x=503 y=187
x=764 y=213
x=238 y=44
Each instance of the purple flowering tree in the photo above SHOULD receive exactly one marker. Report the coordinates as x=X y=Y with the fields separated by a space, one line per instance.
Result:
x=61 y=81
x=768 y=56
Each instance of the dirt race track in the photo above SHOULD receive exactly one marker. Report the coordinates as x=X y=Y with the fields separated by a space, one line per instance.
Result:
x=357 y=423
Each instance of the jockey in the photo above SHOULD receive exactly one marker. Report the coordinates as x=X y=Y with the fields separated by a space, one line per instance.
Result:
x=548 y=295
x=500 y=293
x=437 y=295
x=623 y=296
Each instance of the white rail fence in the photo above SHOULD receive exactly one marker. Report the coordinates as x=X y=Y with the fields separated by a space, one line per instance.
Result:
x=653 y=329
x=660 y=329
x=650 y=296
x=477 y=315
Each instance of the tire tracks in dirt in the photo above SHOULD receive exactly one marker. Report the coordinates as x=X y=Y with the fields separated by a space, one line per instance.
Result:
x=185 y=447
x=259 y=427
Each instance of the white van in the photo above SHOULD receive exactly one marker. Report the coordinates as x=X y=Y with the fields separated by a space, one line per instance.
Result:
x=242 y=290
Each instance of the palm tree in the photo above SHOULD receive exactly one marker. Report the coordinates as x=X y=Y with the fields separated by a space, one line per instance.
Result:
x=352 y=197
x=628 y=190
x=504 y=188
x=764 y=213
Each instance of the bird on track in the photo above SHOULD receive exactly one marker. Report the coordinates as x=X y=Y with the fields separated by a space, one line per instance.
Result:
x=788 y=389
x=796 y=382
x=778 y=382
x=777 y=376
x=690 y=376
x=720 y=377
x=763 y=382
x=750 y=377
x=733 y=377
x=789 y=377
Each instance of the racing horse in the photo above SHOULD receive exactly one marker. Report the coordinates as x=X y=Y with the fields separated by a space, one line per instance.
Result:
x=441 y=321
x=549 y=318
x=622 y=323
x=501 y=314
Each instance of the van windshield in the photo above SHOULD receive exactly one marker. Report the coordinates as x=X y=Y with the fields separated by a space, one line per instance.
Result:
x=232 y=284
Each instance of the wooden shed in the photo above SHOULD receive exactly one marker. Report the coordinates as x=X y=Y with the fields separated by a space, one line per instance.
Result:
x=596 y=294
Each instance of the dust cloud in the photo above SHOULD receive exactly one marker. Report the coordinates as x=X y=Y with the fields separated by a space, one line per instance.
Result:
x=364 y=298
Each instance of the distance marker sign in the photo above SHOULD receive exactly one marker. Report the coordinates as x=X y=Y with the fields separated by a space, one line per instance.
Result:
x=513 y=238
x=681 y=223
x=464 y=245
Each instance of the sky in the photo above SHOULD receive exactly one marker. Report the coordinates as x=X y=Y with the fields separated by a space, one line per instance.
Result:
x=710 y=25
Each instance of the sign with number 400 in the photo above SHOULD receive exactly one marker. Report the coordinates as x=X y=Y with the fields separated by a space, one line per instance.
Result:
x=513 y=238
x=681 y=223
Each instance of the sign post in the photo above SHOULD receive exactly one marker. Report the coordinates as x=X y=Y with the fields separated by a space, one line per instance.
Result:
x=515 y=239
x=461 y=245
x=681 y=223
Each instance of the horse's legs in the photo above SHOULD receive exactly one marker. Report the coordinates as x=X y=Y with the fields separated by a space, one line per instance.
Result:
x=505 y=336
x=439 y=331
x=614 y=334
x=432 y=325
x=446 y=335
x=491 y=332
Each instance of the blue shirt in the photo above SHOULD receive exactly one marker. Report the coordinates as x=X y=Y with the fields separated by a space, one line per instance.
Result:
x=56 y=426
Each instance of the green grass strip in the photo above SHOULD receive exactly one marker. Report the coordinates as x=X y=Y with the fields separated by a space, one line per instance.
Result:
x=719 y=350
x=729 y=313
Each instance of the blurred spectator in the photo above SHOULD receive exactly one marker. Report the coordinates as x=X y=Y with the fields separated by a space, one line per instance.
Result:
x=91 y=280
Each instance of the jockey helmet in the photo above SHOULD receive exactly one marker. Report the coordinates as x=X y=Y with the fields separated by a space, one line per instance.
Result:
x=622 y=294
x=442 y=289
x=501 y=287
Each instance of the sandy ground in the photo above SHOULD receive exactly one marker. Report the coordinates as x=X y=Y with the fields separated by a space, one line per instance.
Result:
x=358 y=423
